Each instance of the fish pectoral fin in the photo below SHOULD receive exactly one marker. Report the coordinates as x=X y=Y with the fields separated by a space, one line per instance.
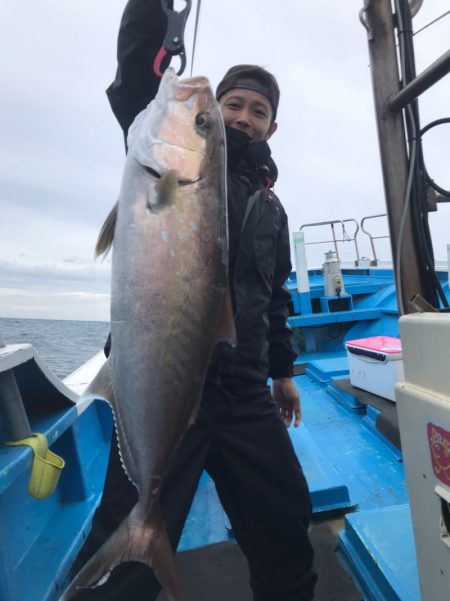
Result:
x=166 y=191
x=101 y=386
x=226 y=329
x=142 y=540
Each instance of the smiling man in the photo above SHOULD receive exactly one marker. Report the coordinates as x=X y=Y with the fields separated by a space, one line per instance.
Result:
x=249 y=96
x=240 y=435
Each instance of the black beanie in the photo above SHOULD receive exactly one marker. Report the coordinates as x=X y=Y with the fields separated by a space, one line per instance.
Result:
x=251 y=77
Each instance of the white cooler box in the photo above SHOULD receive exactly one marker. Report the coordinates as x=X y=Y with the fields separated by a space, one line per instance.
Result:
x=376 y=364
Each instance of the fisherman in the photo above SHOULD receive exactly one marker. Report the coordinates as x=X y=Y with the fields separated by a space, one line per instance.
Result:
x=240 y=434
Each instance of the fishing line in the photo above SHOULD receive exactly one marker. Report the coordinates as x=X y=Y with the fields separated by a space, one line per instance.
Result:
x=432 y=22
x=197 y=19
x=414 y=32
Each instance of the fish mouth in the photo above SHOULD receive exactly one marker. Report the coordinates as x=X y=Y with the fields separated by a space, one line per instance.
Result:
x=180 y=181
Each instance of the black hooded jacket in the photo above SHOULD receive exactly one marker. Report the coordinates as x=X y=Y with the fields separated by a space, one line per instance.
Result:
x=259 y=260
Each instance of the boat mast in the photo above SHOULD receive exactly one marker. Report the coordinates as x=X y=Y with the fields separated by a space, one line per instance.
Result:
x=379 y=20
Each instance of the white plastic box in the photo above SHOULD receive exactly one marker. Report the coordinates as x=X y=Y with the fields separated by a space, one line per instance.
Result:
x=376 y=364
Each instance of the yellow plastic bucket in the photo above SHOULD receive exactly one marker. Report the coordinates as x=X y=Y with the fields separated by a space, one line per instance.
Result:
x=46 y=468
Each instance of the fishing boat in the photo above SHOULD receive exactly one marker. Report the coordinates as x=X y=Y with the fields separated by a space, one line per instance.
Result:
x=348 y=445
x=374 y=442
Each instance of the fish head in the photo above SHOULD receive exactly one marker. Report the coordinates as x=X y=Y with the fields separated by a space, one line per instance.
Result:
x=179 y=130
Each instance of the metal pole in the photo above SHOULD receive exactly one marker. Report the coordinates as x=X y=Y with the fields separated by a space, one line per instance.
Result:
x=422 y=82
x=372 y=244
x=334 y=240
x=392 y=142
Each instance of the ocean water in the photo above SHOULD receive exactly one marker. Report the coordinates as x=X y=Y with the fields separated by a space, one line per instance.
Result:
x=63 y=345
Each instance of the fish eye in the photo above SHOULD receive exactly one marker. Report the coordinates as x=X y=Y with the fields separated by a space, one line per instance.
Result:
x=202 y=121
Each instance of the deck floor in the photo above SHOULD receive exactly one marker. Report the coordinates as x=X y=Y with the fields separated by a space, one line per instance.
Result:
x=372 y=472
x=219 y=572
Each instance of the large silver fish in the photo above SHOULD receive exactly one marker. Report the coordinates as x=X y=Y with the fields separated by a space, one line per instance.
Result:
x=169 y=305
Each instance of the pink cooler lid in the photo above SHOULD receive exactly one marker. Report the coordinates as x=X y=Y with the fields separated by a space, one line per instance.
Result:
x=383 y=344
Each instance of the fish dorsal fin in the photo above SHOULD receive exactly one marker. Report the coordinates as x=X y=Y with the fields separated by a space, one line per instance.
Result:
x=106 y=235
x=166 y=191
x=226 y=329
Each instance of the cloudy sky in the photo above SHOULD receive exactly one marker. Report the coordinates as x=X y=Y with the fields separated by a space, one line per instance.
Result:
x=61 y=151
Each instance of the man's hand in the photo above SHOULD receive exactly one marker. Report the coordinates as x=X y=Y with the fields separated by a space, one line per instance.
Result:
x=285 y=393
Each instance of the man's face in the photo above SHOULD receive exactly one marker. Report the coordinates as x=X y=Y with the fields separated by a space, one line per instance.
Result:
x=248 y=111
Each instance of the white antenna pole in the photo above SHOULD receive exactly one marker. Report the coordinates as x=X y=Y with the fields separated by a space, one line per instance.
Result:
x=301 y=268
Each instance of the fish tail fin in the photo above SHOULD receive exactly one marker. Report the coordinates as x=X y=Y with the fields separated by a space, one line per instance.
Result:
x=152 y=547
x=144 y=541
x=106 y=235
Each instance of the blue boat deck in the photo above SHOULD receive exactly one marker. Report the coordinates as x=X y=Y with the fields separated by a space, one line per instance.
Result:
x=385 y=571
x=371 y=471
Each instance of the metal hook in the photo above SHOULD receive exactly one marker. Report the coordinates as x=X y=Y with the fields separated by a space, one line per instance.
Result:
x=363 y=19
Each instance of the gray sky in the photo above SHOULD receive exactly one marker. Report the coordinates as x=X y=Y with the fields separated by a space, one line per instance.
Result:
x=61 y=151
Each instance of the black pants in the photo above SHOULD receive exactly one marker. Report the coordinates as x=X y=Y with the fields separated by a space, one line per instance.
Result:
x=240 y=439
